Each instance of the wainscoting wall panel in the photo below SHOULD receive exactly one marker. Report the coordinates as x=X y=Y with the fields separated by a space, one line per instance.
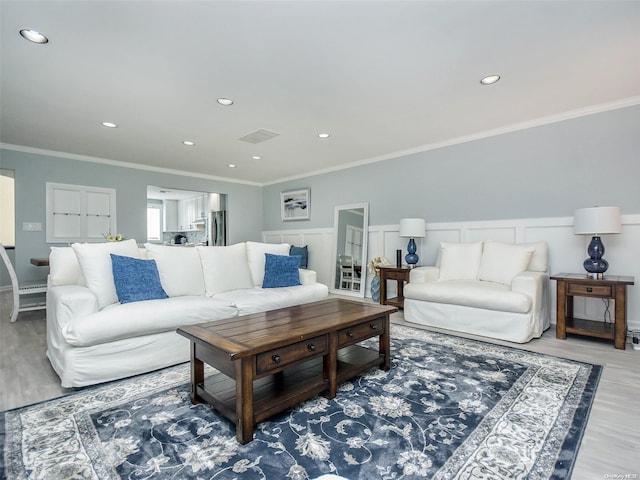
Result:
x=566 y=251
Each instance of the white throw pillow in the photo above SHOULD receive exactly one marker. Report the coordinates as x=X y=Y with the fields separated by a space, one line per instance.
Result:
x=256 y=258
x=460 y=261
x=179 y=268
x=64 y=268
x=95 y=263
x=503 y=261
x=225 y=268
x=540 y=259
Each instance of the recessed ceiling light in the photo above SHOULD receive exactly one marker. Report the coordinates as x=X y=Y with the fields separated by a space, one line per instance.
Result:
x=109 y=124
x=490 y=79
x=256 y=157
x=188 y=143
x=33 y=36
x=231 y=165
x=324 y=135
x=225 y=101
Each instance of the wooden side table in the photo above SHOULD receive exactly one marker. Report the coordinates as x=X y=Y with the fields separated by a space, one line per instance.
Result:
x=571 y=285
x=400 y=275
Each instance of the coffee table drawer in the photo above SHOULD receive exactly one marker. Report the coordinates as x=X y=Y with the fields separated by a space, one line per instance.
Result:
x=360 y=332
x=279 y=357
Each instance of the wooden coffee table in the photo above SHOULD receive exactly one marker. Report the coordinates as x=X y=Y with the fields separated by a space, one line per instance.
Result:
x=272 y=361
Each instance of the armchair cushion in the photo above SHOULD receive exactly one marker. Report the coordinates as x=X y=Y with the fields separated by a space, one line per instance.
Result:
x=460 y=261
x=501 y=261
x=470 y=293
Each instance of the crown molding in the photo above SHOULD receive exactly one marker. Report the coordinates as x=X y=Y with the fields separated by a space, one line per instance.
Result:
x=117 y=163
x=570 y=115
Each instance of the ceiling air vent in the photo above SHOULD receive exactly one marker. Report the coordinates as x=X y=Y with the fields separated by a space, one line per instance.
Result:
x=259 y=136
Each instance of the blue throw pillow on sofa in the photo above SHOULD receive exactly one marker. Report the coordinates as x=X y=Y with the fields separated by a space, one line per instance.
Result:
x=302 y=252
x=281 y=271
x=136 y=279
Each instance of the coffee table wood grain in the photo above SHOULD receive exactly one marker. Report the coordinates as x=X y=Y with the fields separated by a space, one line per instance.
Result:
x=271 y=361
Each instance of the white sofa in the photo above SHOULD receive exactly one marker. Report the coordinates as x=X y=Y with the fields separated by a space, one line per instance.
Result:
x=93 y=338
x=486 y=288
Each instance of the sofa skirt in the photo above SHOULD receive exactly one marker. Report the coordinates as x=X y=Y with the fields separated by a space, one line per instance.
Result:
x=82 y=366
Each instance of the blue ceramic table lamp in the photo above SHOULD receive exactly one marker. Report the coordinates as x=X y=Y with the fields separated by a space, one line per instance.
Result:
x=412 y=228
x=596 y=221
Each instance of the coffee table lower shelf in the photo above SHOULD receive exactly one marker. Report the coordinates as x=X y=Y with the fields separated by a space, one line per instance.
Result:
x=275 y=393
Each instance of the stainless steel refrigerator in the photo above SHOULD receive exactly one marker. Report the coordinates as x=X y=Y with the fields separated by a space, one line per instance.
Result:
x=217 y=228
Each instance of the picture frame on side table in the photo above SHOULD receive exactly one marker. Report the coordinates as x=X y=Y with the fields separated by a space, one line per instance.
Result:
x=295 y=204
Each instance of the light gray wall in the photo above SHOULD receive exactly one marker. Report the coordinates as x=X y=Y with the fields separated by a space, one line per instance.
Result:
x=32 y=171
x=545 y=171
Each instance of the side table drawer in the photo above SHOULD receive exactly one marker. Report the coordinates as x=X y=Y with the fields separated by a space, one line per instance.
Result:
x=395 y=275
x=582 y=290
x=360 y=332
x=279 y=357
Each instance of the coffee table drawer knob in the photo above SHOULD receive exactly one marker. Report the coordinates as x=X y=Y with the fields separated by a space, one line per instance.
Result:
x=311 y=347
x=373 y=326
x=275 y=358
x=349 y=334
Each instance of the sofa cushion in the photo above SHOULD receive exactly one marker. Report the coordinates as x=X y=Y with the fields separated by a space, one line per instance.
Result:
x=64 y=268
x=260 y=299
x=281 y=271
x=460 y=261
x=503 y=261
x=180 y=269
x=95 y=264
x=470 y=293
x=303 y=253
x=136 y=279
x=225 y=268
x=256 y=258
x=135 y=319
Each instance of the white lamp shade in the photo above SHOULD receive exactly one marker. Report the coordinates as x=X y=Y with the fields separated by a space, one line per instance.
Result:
x=596 y=220
x=412 y=227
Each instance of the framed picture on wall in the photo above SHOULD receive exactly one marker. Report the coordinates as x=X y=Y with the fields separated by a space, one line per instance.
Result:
x=295 y=204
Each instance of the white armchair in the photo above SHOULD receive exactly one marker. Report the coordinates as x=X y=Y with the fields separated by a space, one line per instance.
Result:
x=485 y=288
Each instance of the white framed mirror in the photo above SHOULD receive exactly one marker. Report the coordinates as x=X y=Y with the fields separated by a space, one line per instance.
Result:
x=350 y=233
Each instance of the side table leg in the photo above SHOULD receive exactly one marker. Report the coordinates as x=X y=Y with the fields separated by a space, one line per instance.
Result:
x=561 y=310
x=383 y=288
x=197 y=374
x=244 y=400
x=620 y=325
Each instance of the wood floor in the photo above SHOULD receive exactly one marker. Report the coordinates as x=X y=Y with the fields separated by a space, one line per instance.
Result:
x=610 y=448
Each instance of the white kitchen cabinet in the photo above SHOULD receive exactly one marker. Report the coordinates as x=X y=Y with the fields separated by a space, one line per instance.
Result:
x=171 y=216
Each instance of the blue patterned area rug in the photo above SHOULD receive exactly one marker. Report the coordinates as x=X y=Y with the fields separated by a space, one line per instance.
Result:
x=448 y=408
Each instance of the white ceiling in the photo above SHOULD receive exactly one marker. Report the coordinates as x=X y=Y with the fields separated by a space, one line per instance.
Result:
x=382 y=77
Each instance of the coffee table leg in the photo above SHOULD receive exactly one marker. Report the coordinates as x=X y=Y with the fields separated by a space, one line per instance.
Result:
x=197 y=374
x=330 y=365
x=385 y=345
x=244 y=400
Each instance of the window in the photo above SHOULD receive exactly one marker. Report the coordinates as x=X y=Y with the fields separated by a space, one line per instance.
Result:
x=7 y=208
x=154 y=222
x=79 y=214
